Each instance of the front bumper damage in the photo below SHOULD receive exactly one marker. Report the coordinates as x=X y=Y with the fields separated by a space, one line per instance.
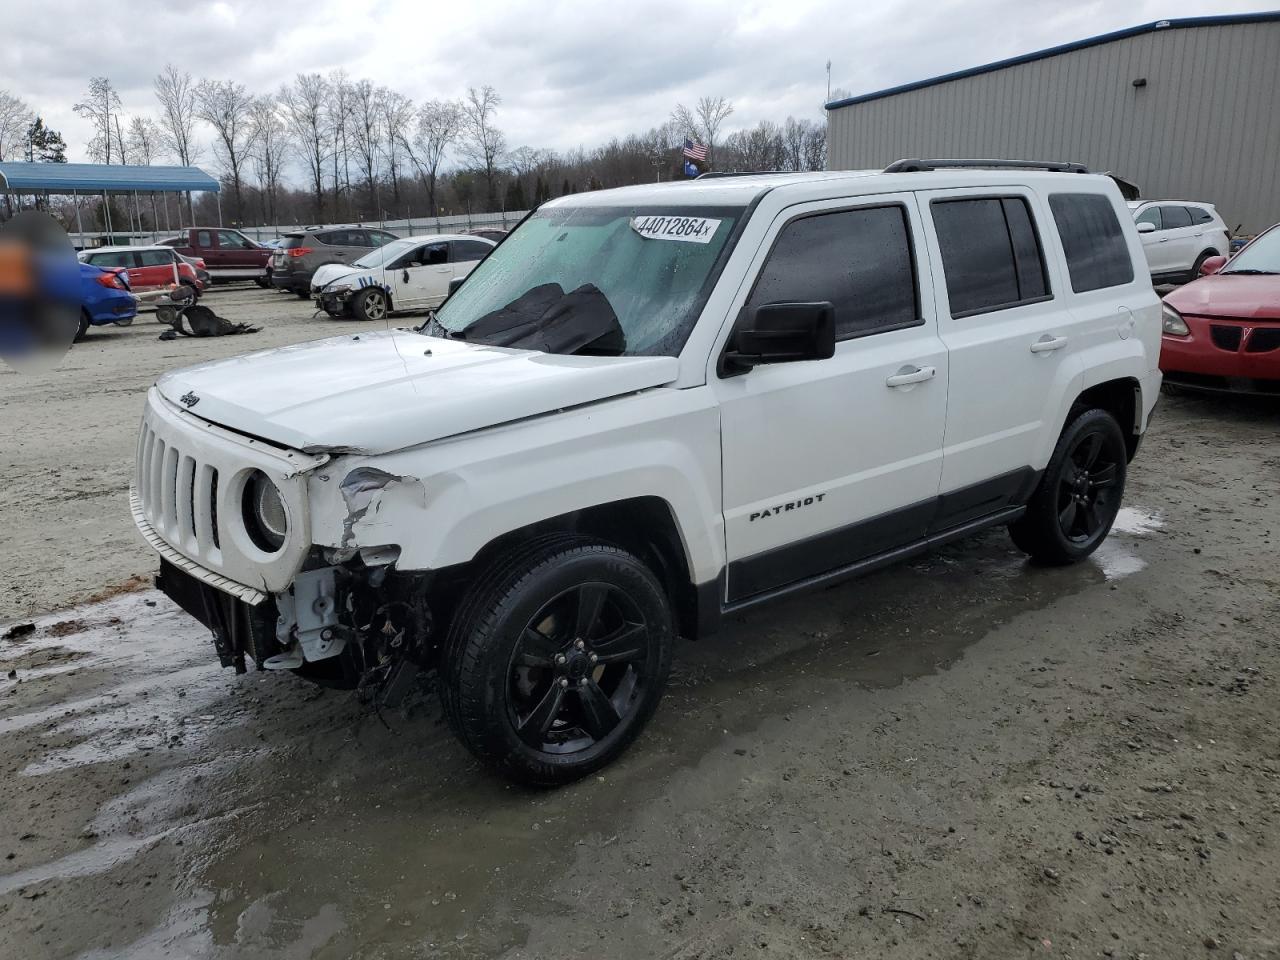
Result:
x=352 y=627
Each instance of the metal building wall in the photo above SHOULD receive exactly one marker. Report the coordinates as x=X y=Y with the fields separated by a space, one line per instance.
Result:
x=1206 y=126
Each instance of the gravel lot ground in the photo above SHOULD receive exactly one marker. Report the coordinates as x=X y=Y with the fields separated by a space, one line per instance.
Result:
x=963 y=757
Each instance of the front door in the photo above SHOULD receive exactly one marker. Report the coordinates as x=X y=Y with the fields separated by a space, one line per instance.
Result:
x=827 y=462
x=422 y=279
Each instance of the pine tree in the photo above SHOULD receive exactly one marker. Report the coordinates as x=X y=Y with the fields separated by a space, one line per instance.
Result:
x=45 y=145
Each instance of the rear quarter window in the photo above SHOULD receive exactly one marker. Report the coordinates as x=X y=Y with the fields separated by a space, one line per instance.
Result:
x=467 y=250
x=155 y=258
x=1095 y=248
x=1200 y=215
x=291 y=242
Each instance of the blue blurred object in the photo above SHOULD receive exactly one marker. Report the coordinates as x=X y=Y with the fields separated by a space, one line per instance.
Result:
x=690 y=168
x=104 y=297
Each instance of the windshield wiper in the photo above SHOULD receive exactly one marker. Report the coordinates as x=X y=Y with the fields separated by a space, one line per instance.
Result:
x=1251 y=272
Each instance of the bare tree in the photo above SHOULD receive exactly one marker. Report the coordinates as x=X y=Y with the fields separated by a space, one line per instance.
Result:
x=15 y=120
x=483 y=143
x=304 y=103
x=758 y=148
x=100 y=106
x=703 y=122
x=395 y=118
x=176 y=93
x=712 y=112
x=438 y=124
x=226 y=106
x=338 y=117
x=270 y=148
x=144 y=140
x=366 y=134
x=815 y=147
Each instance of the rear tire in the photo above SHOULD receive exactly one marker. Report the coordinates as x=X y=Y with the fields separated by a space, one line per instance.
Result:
x=1072 y=509
x=370 y=304
x=83 y=329
x=556 y=658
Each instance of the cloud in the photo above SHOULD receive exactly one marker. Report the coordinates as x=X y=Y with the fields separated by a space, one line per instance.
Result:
x=570 y=74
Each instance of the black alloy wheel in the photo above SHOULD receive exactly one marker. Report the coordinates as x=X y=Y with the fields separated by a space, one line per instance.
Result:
x=1087 y=486
x=577 y=668
x=1073 y=507
x=556 y=658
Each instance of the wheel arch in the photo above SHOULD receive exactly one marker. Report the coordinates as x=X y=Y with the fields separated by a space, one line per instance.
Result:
x=645 y=526
x=1122 y=398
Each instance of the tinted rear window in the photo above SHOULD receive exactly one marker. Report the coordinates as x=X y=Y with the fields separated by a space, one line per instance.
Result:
x=291 y=242
x=1094 y=244
x=1175 y=217
x=465 y=250
x=1200 y=215
x=990 y=254
x=155 y=258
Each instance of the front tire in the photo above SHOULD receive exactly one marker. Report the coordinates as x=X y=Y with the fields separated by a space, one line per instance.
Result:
x=556 y=659
x=371 y=304
x=1076 y=501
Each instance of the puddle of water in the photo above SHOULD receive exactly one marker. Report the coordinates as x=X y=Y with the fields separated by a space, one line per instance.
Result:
x=1137 y=521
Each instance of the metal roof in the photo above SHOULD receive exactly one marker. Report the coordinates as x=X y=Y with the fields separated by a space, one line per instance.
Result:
x=96 y=177
x=1180 y=24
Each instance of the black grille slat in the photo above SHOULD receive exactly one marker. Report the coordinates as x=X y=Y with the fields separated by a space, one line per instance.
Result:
x=1263 y=340
x=1226 y=338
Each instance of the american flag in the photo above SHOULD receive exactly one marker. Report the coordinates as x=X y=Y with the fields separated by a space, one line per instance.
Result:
x=695 y=151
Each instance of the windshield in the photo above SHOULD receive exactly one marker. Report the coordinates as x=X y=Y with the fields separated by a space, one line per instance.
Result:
x=647 y=271
x=386 y=253
x=1261 y=256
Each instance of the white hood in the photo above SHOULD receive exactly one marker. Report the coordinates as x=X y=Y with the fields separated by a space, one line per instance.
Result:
x=383 y=391
x=336 y=271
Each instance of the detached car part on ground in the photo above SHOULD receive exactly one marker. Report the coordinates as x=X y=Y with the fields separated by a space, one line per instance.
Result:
x=1222 y=332
x=648 y=408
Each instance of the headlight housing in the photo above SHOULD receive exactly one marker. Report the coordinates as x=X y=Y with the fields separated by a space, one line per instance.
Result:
x=339 y=288
x=1173 y=322
x=265 y=516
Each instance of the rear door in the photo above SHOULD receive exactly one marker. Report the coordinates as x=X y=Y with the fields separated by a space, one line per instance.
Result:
x=828 y=462
x=465 y=254
x=1180 y=237
x=1009 y=336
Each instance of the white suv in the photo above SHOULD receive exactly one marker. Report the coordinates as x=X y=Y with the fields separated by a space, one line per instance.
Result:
x=1178 y=236
x=647 y=408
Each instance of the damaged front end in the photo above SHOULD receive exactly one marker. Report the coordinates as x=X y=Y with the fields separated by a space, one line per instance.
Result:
x=349 y=626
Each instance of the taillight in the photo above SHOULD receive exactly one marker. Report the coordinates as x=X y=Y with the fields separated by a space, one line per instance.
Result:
x=112 y=280
x=200 y=263
x=298 y=251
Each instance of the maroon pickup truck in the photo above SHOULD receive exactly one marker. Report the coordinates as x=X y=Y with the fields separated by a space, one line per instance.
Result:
x=227 y=254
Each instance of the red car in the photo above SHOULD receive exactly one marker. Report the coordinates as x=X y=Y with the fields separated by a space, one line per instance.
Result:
x=1222 y=331
x=152 y=270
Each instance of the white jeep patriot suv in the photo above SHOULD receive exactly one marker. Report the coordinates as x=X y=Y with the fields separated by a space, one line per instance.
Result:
x=649 y=407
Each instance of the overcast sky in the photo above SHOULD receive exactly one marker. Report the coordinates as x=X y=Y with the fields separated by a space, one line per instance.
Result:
x=569 y=74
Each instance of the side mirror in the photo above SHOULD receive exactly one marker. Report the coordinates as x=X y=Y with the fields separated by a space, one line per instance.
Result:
x=454 y=284
x=1146 y=226
x=781 y=333
x=1212 y=265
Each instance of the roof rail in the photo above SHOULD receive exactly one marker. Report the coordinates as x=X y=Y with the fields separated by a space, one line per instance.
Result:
x=919 y=166
x=717 y=174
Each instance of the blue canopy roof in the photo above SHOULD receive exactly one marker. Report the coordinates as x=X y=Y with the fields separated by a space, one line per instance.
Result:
x=97 y=177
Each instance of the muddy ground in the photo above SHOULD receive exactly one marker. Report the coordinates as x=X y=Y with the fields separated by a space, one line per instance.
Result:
x=963 y=757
